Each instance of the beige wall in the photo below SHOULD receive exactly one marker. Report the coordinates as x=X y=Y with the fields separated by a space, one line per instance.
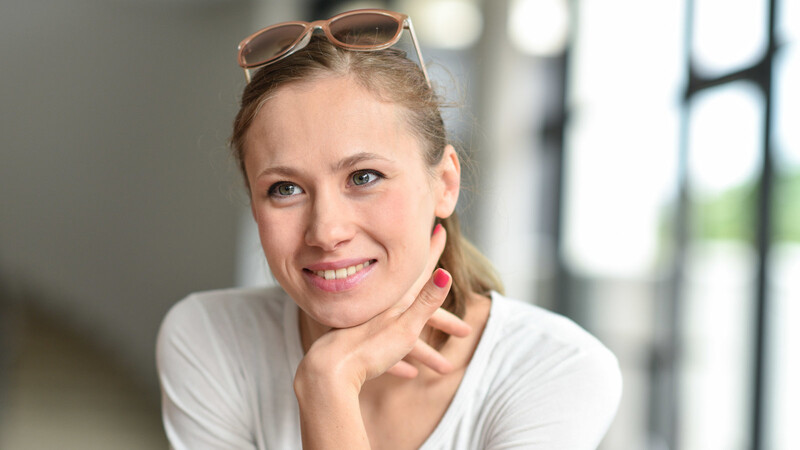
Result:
x=116 y=194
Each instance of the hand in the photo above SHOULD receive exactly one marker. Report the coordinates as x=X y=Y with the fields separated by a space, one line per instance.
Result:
x=442 y=320
x=357 y=354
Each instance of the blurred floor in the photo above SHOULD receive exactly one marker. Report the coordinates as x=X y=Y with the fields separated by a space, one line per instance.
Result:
x=60 y=392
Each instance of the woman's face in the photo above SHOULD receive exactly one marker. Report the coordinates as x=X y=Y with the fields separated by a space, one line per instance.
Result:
x=343 y=199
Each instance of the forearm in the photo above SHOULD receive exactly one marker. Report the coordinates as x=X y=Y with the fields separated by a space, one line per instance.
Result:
x=330 y=413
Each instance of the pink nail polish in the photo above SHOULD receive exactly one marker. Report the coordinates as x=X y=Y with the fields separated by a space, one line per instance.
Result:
x=441 y=278
x=437 y=228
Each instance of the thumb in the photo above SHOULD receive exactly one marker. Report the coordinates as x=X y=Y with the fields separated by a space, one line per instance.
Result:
x=430 y=298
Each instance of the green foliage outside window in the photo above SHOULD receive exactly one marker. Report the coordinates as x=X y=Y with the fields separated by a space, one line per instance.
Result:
x=730 y=215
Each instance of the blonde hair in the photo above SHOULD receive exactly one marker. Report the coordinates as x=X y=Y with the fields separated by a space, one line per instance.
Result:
x=392 y=77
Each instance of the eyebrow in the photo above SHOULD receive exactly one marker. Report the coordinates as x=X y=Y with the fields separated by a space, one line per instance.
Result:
x=344 y=163
x=353 y=160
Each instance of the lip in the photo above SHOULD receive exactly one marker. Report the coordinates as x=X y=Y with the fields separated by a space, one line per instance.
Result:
x=338 y=285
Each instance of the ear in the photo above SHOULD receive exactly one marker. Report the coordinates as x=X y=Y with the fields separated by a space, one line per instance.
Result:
x=448 y=183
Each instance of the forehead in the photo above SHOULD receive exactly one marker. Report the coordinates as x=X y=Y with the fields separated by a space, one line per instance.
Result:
x=328 y=117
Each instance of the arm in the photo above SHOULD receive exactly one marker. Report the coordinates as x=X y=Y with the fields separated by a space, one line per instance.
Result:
x=330 y=414
x=200 y=403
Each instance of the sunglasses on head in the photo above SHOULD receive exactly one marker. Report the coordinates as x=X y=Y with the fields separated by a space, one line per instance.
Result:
x=358 y=30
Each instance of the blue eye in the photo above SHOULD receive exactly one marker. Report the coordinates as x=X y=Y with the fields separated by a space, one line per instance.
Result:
x=363 y=177
x=285 y=189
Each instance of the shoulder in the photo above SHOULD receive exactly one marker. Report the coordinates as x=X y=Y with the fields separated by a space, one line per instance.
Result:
x=230 y=301
x=538 y=335
x=550 y=375
x=214 y=320
x=211 y=351
x=222 y=308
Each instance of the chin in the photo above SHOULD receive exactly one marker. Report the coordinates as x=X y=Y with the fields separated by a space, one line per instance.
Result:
x=340 y=320
x=343 y=315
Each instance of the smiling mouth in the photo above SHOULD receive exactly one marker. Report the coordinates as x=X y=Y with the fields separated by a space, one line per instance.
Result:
x=344 y=272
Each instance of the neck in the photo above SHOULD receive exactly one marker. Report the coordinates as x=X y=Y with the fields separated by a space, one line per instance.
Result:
x=310 y=330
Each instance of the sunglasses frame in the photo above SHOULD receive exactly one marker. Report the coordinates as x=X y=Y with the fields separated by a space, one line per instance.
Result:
x=309 y=27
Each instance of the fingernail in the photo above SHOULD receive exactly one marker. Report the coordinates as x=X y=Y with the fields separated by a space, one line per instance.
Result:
x=441 y=278
x=437 y=228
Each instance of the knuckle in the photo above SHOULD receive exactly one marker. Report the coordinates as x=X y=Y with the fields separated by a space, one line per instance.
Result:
x=430 y=298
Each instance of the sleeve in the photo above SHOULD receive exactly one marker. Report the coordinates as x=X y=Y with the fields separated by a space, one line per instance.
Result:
x=564 y=404
x=203 y=406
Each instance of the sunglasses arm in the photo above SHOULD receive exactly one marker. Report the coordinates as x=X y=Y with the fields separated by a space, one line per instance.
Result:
x=419 y=53
x=247 y=75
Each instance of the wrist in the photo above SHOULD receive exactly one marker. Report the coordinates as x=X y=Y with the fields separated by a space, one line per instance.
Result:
x=315 y=382
x=330 y=413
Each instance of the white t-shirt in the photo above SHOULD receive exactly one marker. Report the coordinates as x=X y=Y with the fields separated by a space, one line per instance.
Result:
x=227 y=359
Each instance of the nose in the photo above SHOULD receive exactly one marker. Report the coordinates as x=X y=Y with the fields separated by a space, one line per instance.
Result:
x=330 y=224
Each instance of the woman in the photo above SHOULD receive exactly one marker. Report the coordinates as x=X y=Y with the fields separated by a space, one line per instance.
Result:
x=353 y=187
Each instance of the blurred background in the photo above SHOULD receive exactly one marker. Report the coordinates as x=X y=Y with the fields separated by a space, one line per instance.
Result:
x=636 y=169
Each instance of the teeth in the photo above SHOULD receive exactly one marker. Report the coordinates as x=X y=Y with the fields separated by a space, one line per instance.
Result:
x=342 y=273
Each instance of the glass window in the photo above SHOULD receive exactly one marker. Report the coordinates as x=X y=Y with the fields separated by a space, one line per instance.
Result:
x=783 y=389
x=626 y=76
x=623 y=134
x=787 y=108
x=728 y=34
x=715 y=370
x=626 y=81
x=788 y=15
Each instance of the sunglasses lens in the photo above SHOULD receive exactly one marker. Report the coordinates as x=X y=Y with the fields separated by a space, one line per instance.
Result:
x=365 y=29
x=271 y=43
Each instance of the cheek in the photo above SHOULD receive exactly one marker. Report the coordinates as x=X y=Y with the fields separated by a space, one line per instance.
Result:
x=404 y=218
x=278 y=236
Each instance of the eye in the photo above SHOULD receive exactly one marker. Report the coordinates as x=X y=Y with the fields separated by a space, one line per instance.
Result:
x=284 y=189
x=363 y=177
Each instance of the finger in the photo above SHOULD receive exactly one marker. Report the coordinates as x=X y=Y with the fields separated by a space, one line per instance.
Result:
x=430 y=298
x=449 y=323
x=438 y=240
x=428 y=356
x=403 y=370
